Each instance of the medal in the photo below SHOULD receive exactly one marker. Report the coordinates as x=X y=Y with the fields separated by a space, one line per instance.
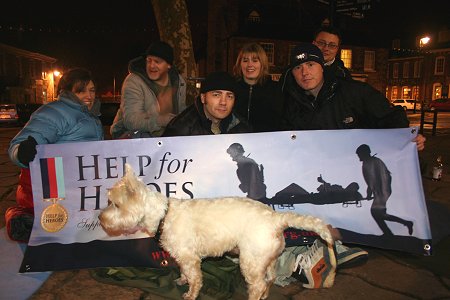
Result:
x=54 y=217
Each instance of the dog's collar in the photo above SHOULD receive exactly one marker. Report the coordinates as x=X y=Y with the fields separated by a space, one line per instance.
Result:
x=160 y=227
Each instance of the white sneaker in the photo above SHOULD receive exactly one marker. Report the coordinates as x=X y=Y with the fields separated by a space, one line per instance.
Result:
x=350 y=257
x=318 y=265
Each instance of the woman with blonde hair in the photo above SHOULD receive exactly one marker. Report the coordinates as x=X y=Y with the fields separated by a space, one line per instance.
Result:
x=258 y=97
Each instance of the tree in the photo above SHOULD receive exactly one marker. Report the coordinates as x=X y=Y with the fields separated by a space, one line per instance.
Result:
x=173 y=25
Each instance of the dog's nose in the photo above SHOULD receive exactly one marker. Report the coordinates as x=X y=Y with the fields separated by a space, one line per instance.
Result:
x=109 y=202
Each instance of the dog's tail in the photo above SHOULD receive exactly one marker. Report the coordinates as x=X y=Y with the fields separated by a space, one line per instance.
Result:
x=310 y=223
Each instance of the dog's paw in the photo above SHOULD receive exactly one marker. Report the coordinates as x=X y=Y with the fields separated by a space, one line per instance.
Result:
x=188 y=296
x=181 y=281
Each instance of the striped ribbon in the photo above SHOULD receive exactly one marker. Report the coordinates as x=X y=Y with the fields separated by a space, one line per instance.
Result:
x=52 y=174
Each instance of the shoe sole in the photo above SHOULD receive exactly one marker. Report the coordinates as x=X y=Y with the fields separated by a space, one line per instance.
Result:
x=352 y=261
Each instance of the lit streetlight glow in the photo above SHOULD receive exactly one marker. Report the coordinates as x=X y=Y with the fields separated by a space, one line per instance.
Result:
x=423 y=41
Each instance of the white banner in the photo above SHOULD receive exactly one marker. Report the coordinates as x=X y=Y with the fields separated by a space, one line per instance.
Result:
x=310 y=172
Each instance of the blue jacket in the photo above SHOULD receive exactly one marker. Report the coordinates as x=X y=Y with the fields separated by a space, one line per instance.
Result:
x=63 y=121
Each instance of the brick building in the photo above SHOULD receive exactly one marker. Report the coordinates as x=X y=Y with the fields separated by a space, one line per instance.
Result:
x=422 y=73
x=26 y=77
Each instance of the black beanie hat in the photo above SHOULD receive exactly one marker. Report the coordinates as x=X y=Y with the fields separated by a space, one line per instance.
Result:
x=305 y=52
x=162 y=50
x=218 y=81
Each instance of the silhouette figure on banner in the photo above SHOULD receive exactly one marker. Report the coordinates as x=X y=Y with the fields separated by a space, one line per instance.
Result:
x=378 y=179
x=249 y=173
x=251 y=177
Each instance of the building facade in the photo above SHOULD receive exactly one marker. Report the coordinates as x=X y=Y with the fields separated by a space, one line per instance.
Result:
x=26 y=77
x=423 y=73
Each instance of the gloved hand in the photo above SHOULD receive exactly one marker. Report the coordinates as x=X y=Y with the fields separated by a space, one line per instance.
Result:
x=27 y=150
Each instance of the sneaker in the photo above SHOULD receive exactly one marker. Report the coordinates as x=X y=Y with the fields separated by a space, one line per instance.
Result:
x=317 y=265
x=350 y=257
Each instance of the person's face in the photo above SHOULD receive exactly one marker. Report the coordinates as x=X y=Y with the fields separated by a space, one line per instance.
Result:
x=327 y=43
x=308 y=75
x=157 y=68
x=217 y=104
x=87 y=95
x=250 y=67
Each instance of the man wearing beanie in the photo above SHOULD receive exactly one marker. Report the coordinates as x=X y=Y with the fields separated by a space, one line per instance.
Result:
x=153 y=93
x=313 y=102
x=211 y=113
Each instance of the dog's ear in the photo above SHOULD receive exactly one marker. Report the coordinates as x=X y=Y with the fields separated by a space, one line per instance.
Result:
x=131 y=181
x=128 y=170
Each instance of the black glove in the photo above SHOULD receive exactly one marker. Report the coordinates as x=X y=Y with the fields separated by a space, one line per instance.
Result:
x=27 y=150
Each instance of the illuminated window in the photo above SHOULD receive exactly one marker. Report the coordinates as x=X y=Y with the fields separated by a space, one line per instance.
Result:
x=346 y=56
x=394 y=93
x=437 y=91
x=439 y=65
x=406 y=92
x=369 y=60
x=415 y=92
x=254 y=17
x=269 y=48
x=275 y=77
x=395 y=70
x=406 y=70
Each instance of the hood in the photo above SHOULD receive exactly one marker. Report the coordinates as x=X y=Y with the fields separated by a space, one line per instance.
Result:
x=138 y=66
x=291 y=89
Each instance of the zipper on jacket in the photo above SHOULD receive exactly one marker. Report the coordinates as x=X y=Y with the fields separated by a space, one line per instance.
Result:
x=249 y=102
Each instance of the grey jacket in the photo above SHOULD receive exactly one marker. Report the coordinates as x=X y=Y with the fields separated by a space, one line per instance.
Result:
x=139 y=108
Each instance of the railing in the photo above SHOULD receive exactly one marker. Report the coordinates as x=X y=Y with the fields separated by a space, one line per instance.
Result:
x=425 y=113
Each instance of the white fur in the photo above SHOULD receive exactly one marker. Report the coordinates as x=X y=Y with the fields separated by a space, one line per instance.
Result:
x=198 y=228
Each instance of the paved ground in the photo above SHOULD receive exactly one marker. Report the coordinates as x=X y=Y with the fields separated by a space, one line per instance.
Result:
x=387 y=274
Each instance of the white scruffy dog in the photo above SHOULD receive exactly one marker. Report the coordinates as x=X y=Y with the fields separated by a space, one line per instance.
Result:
x=198 y=228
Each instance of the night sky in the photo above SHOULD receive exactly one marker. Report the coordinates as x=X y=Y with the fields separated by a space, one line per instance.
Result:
x=104 y=35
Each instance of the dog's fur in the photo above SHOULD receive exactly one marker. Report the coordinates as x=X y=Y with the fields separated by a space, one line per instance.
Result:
x=198 y=228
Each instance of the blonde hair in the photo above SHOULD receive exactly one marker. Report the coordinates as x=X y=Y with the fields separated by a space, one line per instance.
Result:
x=256 y=51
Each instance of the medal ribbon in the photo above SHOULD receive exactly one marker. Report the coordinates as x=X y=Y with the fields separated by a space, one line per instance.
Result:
x=52 y=174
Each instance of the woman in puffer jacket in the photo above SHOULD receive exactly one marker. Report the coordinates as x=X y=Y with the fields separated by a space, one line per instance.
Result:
x=67 y=120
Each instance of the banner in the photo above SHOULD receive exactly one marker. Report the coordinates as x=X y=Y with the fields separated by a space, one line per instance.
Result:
x=309 y=172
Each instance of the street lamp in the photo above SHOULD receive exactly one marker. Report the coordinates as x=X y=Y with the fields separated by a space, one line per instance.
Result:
x=423 y=41
x=56 y=77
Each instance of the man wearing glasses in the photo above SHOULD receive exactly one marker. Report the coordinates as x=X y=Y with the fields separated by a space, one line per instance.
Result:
x=328 y=40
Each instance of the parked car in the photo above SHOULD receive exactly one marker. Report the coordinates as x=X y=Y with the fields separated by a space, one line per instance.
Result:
x=441 y=104
x=406 y=103
x=8 y=114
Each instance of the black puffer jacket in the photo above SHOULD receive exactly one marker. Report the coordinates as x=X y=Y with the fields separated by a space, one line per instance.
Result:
x=260 y=104
x=338 y=70
x=192 y=121
x=340 y=104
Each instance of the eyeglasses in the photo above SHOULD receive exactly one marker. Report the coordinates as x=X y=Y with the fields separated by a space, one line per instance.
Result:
x=323 y=44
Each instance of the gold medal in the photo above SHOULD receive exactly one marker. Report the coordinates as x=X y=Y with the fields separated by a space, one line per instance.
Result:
x=54 y=218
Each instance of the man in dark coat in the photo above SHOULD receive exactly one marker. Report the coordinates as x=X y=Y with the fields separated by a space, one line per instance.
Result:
x=328 y=40
x=315 y=102
x=211 y=113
